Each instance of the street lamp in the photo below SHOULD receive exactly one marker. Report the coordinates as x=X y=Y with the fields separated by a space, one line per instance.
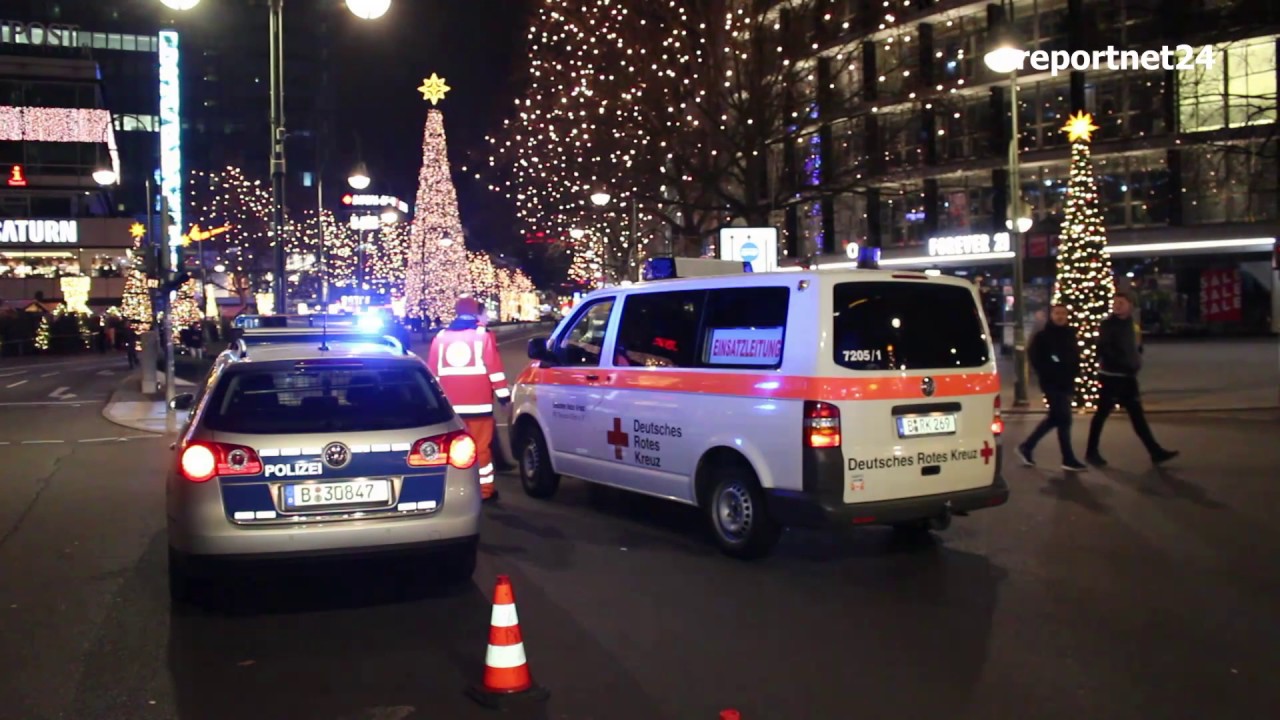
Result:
x=359 y=177
x=1006 y=56
x=368 y=9
x=104 y=176
x=602 y=198
x=389 y=217
x=364 y=9
x=577 y=233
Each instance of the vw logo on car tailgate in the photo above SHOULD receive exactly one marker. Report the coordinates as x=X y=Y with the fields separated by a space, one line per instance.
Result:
x=927 y=387
x=336 y=455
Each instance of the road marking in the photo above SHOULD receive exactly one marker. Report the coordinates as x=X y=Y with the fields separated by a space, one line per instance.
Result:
x=11 y=374
x=106 y=372
x=62 y=394
x=43 y=402
x=49 y=374
x=14 y=385
x=41 y=442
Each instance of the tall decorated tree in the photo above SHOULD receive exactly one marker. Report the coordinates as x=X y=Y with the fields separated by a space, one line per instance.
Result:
x=186 y=308
x=1085 y=282
x=437 y=268
x=135 y=304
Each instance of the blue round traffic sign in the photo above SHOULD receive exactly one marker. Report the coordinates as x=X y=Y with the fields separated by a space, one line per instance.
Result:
x=750 y=251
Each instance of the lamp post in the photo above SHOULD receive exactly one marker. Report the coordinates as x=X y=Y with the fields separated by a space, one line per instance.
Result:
x=601 y=199
x=1006 y=57
x=364 y=9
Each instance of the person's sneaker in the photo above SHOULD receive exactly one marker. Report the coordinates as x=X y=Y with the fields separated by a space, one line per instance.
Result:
x=1074 y=466
x=1164 y=456
x=1024 y=456
x=1095 y=459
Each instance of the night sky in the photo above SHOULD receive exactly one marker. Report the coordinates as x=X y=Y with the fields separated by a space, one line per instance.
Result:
x=475 y=45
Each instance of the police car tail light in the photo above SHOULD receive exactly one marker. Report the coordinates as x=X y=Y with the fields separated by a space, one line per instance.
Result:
x=822 y=424
x=456 y=448
x=997 y=422
x=201 y=461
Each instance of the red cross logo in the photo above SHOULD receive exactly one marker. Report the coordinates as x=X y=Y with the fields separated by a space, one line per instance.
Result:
x=987 y=451
x=618 y=439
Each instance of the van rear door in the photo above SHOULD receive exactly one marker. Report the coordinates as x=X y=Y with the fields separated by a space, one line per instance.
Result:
x=917 y=389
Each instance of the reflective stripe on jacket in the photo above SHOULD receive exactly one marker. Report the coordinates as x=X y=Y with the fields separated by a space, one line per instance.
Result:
x=464 y=358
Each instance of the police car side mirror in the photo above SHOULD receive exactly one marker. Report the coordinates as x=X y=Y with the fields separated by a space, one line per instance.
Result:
x=538 y=349
x=182 y=402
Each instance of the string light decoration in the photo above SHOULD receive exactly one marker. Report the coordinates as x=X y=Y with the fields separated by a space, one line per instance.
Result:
x=1085 y=280
x=135 y=302
x=228 y=198
x=680 y=107
x=186 y=308
x=586 y=269
x=386 y=259
x=43 y=333
x=437 y=270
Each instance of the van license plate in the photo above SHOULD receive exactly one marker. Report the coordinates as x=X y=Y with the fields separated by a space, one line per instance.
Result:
x=359 y=492
x=926 y=425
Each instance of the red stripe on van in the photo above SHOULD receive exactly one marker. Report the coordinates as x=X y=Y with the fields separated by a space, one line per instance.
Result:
x=765 y=385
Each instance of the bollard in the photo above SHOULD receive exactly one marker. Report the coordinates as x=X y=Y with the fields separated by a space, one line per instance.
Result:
x=149 y=358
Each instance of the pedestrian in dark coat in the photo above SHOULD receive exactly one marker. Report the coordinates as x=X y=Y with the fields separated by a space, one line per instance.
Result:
x=1055 y=355
x=1120 y=359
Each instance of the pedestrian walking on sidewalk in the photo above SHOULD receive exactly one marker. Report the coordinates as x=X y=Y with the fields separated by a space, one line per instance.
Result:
x=129 y=337
x=1055 y=355
x=1120 y=359
x=464 y=357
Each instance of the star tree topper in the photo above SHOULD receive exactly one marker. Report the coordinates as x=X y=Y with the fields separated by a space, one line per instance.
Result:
x=1080 y=127
x=137 y=230
x=433 y=88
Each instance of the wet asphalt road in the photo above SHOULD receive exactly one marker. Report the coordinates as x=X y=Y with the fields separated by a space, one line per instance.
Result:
x=1128 y=593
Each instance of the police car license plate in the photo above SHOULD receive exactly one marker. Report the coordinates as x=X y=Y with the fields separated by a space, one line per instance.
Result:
x=358 y=492
x=926 y=425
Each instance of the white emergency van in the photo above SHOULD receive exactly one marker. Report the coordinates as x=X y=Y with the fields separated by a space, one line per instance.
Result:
x=769 y=400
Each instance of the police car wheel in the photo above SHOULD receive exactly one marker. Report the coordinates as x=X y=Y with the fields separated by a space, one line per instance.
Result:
x=182 y=586
x=739 y=517
x=536 y=475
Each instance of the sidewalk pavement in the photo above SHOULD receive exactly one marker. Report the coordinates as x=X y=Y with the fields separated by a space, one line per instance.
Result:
x=1192 y=376
x=132 y=408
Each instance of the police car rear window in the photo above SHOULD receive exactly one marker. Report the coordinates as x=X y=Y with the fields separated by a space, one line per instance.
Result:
x=347 y=398
x=907 y=326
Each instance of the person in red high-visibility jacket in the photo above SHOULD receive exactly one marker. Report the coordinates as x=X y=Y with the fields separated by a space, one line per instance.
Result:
x=464 y=358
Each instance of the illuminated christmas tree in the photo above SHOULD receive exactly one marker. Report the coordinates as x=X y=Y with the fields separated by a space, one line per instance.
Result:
x=43 y=334
x=1085 y=282
x=186 y=308
x=135 y=304
x=437 y=269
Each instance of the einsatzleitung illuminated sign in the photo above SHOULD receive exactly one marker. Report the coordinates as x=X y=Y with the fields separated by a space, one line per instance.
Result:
x=39 y=232
x=960 y=245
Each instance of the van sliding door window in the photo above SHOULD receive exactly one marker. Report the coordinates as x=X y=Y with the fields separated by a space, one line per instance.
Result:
x=659 y=329
x=745 y=327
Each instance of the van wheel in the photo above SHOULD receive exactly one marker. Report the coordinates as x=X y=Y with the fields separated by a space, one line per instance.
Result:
x=739 y=518
x=536 y=475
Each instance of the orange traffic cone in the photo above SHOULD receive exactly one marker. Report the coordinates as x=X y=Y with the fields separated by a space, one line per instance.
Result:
x=506 y=670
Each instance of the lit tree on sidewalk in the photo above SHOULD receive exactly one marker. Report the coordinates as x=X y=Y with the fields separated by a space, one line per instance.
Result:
x=186 y=308
x=135 y=303
x=437 y=271
x=1085 y=283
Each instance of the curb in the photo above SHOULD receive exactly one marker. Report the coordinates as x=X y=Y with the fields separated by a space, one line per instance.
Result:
x=171 y=423
x=1161 y=411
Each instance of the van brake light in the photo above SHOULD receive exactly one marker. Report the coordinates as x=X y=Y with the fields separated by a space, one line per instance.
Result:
x=997 y=422
x=201 y=461
x=456 y=448
x=821 y=424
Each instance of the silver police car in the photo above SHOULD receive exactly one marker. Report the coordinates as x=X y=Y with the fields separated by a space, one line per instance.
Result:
x=311 y=443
